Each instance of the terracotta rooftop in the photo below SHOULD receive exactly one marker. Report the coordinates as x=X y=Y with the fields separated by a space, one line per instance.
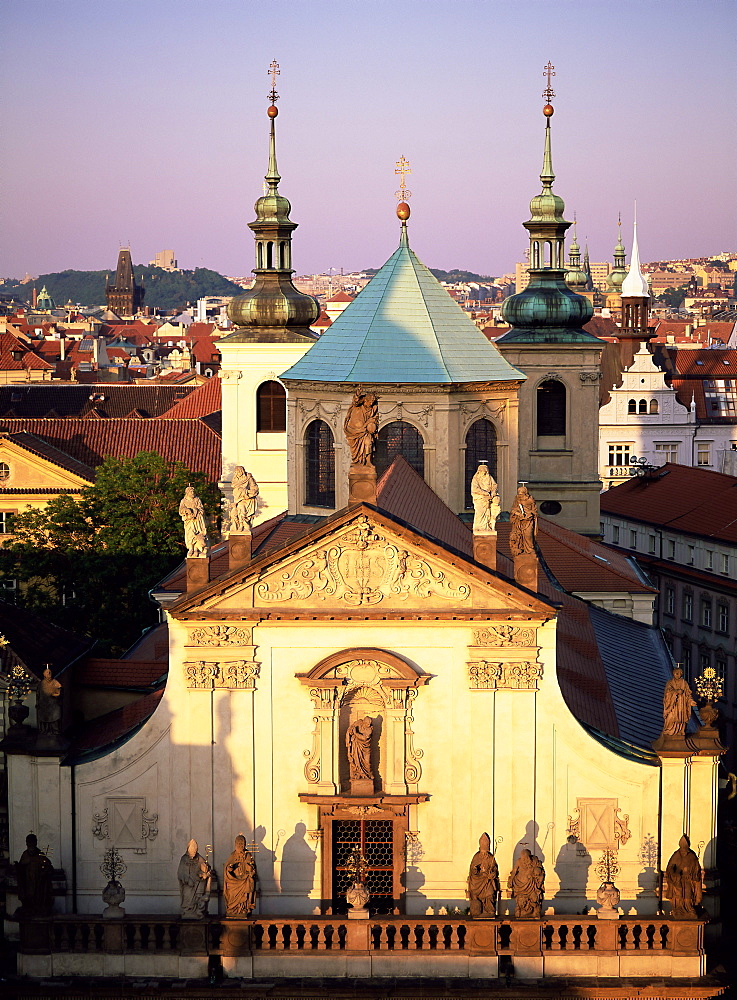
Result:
x=204 y=399
x=112 y=673
x=694 y=501
x=24 y=358
x=113 y=728
x=90 y=441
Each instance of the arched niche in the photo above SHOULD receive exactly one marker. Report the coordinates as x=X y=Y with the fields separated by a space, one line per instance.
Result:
x=352 y=685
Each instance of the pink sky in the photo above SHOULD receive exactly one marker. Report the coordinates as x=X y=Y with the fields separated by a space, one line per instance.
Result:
x=144 y=122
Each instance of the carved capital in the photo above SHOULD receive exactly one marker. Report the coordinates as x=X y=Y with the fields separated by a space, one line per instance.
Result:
x=589 y=377
x=521 y=676
x=233 y=675
x=482 y=675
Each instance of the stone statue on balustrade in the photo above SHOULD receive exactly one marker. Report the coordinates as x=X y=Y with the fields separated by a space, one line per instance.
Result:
x=683 y=876
x=245 y=501
x=486 y=502
x=527 y=885
x=195 y=882
x=192 y=514
x=48 y=705
x=678 y=703
x=34 y=875
x=483 y=880
x=239 y=881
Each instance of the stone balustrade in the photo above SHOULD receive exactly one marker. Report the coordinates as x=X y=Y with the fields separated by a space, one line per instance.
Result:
x=416 y=946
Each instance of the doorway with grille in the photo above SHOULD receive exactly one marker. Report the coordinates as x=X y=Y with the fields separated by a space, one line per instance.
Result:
x=375 y=840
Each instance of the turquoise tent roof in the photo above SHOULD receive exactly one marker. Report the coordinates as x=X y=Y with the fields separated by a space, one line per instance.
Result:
x=403 y=327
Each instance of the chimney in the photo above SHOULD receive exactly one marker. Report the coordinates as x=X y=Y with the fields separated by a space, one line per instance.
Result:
x=62 y=348
x=35 y=296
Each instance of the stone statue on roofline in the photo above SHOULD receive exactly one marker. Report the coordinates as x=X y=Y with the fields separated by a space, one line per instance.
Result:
x=245 y=501
x=678 y=703
x=48 y=705
x=192 y=514
x=486 y=502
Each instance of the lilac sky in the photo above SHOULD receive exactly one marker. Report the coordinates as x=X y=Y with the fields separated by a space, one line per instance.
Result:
x=144 y=122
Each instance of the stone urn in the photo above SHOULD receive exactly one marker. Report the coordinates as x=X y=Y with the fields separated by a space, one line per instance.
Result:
x=607 y=896
x=357 y=897
x=113 y=894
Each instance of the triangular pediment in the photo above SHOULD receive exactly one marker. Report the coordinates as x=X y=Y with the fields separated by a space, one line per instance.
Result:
x=363 y=561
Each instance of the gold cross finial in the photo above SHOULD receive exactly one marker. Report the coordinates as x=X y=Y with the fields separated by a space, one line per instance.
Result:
x=402 y=168
x=274 y=72
x=549 y=72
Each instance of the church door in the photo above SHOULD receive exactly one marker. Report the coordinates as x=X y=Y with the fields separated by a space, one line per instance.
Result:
x=375 y=840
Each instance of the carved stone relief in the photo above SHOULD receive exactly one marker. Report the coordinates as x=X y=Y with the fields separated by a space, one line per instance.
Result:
x=589 y=377
x=126 y=822
x=597 y=824
x=221 y=635
x=517 y=675
x=234 y=675
x=504 y=635
x=361 y=568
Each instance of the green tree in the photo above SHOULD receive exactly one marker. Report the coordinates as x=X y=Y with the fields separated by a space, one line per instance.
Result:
x=88 y=563
x=673 y=297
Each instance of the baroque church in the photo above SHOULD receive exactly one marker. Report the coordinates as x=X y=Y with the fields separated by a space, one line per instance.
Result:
x=444 y=746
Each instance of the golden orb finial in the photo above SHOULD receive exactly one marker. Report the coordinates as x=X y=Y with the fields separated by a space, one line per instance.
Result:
x=548 y=110
x=272 y=111
x=403 y=211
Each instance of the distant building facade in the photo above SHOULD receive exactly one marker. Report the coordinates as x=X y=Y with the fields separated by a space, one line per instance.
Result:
x=124 y=297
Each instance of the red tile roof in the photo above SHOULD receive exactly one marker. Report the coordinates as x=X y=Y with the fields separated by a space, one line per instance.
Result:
x=90 y=441
x=709 y=363
x=114 y=726
x=26 y=359
x=694 y=501
x=140 y=674
x=206 y=398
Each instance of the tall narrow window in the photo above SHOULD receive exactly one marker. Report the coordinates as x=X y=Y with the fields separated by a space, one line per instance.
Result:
x=270 y=254
x=320 y=465
x=480 y=446
x=632 y=406
x=551 y=409
x=271 y=407
x=642 y=408
x=653 y=406
x=399 y=438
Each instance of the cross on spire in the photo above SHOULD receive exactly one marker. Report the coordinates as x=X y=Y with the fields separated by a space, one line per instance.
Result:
x=402 y=168
x=549 y=72
x=274 y=72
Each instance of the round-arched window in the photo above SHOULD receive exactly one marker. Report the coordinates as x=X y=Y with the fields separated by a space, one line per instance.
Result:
x=320 y=465
x=399 y=438
x=271 y=407
x=480 y=447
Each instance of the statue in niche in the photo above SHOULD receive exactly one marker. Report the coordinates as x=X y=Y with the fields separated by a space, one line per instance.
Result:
x=360 y=427
x=523 y=518
x=483 y=880
x=34 y=873
x=683 y=874
x=358 y=745
x=195 y=880
x=486 y=502
x=677 y=704
x=527 y=884
x=239 y=881
x=245 y=501
x=192 y=514
x=48 y=705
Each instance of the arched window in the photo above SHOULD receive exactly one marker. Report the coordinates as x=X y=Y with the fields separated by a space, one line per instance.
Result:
x=548 y=252
x=536 y=254
x=480 y=446
x=259 y=255
x=653 y=406
x=632 y=406
x=283 y=261
x=551 y=409
x=399 y=438
x=271 y=407
x=642 y=408
x=320 y=465
x=270 y=254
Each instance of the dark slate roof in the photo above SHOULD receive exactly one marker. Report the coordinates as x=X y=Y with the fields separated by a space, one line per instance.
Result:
x=109 y=399
x=637 y=666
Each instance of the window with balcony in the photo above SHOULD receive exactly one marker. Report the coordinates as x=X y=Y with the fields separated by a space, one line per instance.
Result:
x=619 y=454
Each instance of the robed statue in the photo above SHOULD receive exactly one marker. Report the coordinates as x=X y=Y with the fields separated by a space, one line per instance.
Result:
x=192 y=514
x=677 y=704
x=683 y=876
x=245 y=501
x=48 y=705
x=486 y=502
x=195 y=879
x=527 y=883
x=360 y=427
x=358 y=745
x=239 y=881
x=523 y=523
x=483 y=880
x=34 y=873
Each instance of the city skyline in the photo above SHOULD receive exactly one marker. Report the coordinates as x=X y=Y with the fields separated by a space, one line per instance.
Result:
x=162 y=141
